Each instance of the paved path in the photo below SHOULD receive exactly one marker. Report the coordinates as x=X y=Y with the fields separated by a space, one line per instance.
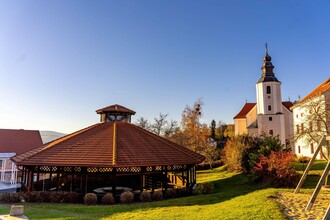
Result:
x=294 y=205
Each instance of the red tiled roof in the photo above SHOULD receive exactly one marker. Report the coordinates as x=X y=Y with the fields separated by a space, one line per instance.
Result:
x=245 y=110
x=323 y=87
x=18 y=141
x=287 y=104
x=115 y=108
x=110 y=144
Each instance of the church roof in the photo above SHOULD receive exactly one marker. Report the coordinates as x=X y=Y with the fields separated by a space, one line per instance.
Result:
x=245 y=110
x=110 y=144
x=115 y=108
x=322 y=88
x=18 y=141
x=249 y=106
x=287 y=104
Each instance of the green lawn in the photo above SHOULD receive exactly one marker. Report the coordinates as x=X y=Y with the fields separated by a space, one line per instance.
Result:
x=235 y=198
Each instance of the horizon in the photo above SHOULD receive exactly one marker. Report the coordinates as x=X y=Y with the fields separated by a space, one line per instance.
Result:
x=61 y=61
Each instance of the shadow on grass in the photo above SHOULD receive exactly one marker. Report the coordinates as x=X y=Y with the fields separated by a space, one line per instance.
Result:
x=226 y=189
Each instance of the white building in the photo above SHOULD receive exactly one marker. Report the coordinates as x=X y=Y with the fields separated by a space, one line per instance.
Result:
x=269 y=115
x=311 y=118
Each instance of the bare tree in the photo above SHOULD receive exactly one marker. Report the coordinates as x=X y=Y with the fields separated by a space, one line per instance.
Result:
x=143 y=123
x=159 y=124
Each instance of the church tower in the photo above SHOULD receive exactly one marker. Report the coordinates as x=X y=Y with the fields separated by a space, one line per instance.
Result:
x=270 y=115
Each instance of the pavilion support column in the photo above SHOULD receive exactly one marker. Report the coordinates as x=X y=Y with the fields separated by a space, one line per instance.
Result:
x=188 y=176
x=37 y=184
x=86 y=183
x=165 y=181
x=29 y=181
x=114 y=182
x=141 y=179
x=58 y=180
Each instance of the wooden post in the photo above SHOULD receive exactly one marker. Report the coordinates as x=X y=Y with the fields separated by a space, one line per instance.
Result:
x=114 y=182
x=310 y=163
x=318 y=187
x=327 y=214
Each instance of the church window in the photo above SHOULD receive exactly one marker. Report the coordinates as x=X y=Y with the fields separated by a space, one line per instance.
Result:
x=299 y=149
x=270 y=118
x=269 y=107
x=268 y=89
x=271 y=132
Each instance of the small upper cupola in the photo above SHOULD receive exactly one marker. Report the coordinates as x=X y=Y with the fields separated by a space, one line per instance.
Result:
x=267 y=69
x=115 y=113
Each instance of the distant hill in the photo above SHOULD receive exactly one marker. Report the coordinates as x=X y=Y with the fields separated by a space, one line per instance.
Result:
x=48 y=136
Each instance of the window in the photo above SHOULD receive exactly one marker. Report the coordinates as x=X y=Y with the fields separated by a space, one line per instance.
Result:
x=270 y=118
x=299 y=149
x=312 y=148
x=268 y=89
x=318 y=124
x=310 y=126
x=269 y=107
x=271 y=132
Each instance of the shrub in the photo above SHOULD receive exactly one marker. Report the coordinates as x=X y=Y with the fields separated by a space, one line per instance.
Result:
x=276 y=169
x=198 y=189
x=208 y=188
x=108 y=199
x=126 y=197
x=233 y=152
x=157 y=195
x=90 y=199
x=263 y=145
x=181 y=192
x=170 y=194
x=145 y=196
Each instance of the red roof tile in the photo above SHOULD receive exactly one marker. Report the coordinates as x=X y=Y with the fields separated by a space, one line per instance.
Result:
x=18 y=141
x=110 y=144
x=287 y=104
x=245 y=110
x=323 y=87
x=115 y=108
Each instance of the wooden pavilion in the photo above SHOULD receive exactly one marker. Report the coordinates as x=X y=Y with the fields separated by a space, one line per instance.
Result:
x=114 y=154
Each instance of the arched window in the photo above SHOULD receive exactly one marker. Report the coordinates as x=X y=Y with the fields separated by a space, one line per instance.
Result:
x=268 y=89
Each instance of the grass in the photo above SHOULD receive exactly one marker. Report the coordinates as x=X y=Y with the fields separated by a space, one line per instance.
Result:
x=235 y=198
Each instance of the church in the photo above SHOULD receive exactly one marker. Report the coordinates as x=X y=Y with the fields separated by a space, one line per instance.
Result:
x=269 y=115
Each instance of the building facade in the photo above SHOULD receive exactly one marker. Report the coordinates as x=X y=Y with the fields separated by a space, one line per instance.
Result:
x=269 y=115
x=311 y=118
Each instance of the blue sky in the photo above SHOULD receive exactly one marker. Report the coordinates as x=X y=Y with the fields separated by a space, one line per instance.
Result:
x=62 y=60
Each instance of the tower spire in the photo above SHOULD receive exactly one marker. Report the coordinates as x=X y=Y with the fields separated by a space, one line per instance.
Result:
x=267 y=69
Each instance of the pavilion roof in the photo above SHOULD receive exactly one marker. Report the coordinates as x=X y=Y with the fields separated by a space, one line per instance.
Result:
x=115 y=108
x=109 y=144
